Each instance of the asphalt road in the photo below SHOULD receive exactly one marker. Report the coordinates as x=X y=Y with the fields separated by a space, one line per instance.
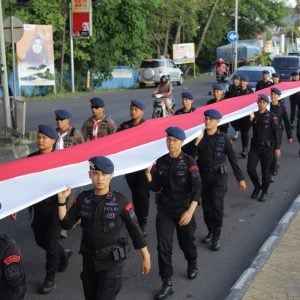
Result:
x=247 y=223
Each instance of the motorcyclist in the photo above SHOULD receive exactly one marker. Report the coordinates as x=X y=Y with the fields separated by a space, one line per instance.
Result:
x=165 y=88
x=221 y=70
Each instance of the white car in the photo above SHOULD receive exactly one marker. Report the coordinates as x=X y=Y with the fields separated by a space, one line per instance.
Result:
x=151 y=70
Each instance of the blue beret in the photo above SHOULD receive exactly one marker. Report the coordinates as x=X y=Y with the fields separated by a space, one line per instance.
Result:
x=245 y=78
x=187 y=95
x=176 y=132
x=236 y=76
x=276 y=75
x=217 y=87
x=266 y=72
x=276 y=91
x=101 y=163
x=63 y=114
x=48 y=131
x=138 y=104
x=294 y=74
x=213 y=113
x=97 y=101
x=264 y=97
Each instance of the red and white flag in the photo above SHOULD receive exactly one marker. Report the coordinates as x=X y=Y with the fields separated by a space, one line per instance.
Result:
x=27 y=181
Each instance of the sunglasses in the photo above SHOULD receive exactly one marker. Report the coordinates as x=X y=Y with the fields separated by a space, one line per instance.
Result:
x=60 y=119
x=95 y=107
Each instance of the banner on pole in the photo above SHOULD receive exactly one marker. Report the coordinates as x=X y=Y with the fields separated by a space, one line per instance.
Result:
x=184 y=53
x=81 y=19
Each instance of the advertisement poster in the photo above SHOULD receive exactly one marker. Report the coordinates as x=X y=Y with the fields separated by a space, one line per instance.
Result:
x=81 y=18
x=184 y=53
x=35 y=56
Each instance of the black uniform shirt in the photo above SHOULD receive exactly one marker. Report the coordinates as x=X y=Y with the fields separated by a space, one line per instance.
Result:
x=233 y=91
x=129 y=124
x=182 y=111
x=47 y=206
x=281 y=112
x=103 y=219
x=176 y=178
x=263 y=84
x=212 y=152
x=12 y=274
x=265 y=129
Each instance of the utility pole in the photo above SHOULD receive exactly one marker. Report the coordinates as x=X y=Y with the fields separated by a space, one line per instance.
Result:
x=4 y=81
x=71 y=49
x=236 y=30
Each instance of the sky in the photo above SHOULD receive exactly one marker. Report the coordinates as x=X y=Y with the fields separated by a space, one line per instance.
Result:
x=291 y=2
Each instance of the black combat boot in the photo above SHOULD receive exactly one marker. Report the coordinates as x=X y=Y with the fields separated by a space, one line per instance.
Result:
x=192 y=269
x=166 y=289
x=49 y=284
x=256 y=191
x=207 y=239
x=64 y=260
x=215 y=241
x=263 y=197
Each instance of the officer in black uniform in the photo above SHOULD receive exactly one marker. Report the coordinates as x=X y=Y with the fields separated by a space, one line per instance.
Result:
x=294 y=100
x=218 y=96
x=212 y=148
x=45 y=224
x=265 y=82
x=187 y=103
x=104 y=245
x=243 y=125
x=275 y=78
x=279 y=109
x=175 y=178
x=234 y=88
x=264 y=144
x=137 y=180
x=12 y=273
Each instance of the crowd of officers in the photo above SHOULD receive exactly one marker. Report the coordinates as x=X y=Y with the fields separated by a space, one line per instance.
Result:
x=187 y=176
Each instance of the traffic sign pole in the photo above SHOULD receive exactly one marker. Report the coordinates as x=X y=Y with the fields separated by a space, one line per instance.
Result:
x=236 y=30
x=4 y=82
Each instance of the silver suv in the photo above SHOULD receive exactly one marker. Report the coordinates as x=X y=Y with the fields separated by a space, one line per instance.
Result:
x=152 y=69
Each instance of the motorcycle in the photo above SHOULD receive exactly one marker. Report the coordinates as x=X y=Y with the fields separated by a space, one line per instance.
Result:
x=159 y=106
x=222 y=78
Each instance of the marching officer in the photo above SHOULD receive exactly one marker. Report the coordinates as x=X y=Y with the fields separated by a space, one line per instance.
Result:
x=99 y=124
x=45 y=224
x=264 y=144
x=187 y=103
x=12 y=273
x=176 y=180
x=265 y=82
x=104 y=214
x=243 y=125
x=137 y=180
x=279 y=109
x=68 y=135
x=294 y=100
x=275 y=78
x=212 y=148
x=234 y=88
x=218 y=96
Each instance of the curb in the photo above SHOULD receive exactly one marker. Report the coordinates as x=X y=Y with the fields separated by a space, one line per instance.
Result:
x=245 y=280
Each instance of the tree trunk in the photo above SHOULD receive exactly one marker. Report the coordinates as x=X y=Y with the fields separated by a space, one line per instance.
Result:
x=165 y=52
x=201 y=41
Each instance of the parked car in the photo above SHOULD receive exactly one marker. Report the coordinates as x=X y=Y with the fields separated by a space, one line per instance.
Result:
x=152 y=69
x=294 y=53
x=254 y=74
x=285 y=65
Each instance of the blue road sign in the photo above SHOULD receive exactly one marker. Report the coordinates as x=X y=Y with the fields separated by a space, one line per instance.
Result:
x=232 y=36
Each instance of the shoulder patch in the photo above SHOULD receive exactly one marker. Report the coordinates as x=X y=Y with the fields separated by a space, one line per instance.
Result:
x=129 y=206
x=193 y=168
x=12 y=259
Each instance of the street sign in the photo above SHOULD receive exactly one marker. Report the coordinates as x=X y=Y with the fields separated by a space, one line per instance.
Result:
x=13 y=29
x=232 y=36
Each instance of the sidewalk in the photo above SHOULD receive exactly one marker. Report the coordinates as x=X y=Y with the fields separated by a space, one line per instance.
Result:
x=275 y=272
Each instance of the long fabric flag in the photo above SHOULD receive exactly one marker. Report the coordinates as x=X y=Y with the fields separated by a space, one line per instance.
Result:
x=26 y=181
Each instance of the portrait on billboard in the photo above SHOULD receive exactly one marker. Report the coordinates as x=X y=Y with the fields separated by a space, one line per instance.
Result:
x=35 y=56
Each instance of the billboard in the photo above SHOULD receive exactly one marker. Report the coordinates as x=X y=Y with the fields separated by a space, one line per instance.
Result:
x=184 y=53
x=81 y=19
x=36 y=56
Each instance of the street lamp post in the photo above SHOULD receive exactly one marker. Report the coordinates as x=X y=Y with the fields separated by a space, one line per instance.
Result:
x=236 y=30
